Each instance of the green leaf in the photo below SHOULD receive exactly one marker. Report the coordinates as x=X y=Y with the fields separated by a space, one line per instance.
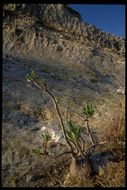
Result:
x=74 y=131
x=71 y=127
x=43 y=135
x=78 y=132
x=71 y=135
x=91 y=110
x=30 y=76
x=88 y=110
x=33 y=75
x=41 y=81
x=46 y=136
x=36 y=151
x=85 y=111
x=68 y=133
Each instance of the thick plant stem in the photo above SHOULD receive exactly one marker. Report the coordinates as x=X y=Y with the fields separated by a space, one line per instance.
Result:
x=79 y=149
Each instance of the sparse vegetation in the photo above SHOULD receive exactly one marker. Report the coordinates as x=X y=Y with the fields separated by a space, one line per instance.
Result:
x=81 y=157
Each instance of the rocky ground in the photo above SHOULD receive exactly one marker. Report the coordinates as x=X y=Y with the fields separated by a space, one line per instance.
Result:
x=75 y=72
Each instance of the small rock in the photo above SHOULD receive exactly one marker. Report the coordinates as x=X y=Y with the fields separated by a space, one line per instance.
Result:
x=101 y=171
x=28 y=178
x=32 y=177
x=120 y=91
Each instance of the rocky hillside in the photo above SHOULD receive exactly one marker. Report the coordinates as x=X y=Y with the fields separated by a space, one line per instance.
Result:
x=79 y=62
x=52 y=25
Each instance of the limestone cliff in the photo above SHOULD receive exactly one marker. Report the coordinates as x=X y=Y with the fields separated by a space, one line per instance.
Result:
x=54 y=28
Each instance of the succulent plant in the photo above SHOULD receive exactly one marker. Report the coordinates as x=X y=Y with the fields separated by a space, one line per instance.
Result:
x=31 y=76
x=88 y=110
x=74 y=131
x=36 y=151
x=46 y=136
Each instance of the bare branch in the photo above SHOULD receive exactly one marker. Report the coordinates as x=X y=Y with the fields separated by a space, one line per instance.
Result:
x=67 y=152
x=58 y=112
x=90 y=133
x=79 y=115
x=82 y=143
x=38 y=86
x=94 y=146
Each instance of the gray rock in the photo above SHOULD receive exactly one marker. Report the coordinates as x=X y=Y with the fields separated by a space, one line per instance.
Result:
x=100 y=160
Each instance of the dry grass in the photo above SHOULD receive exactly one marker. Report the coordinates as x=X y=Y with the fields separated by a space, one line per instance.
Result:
x=116 y=133
x=114 y=176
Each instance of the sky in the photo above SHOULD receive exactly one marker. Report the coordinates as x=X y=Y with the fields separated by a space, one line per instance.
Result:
x=109 y=18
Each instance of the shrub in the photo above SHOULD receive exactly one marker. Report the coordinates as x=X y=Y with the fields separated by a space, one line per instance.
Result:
x=81 y=157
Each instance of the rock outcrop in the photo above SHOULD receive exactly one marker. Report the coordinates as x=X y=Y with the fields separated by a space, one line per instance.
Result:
x=50 y=27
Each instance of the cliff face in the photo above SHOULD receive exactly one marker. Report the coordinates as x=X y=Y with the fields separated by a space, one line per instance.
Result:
x=54 y=27
x=75 y=58
x=79 y=62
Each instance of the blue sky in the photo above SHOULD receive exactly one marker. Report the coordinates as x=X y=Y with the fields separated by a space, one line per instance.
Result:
x=109 y=18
